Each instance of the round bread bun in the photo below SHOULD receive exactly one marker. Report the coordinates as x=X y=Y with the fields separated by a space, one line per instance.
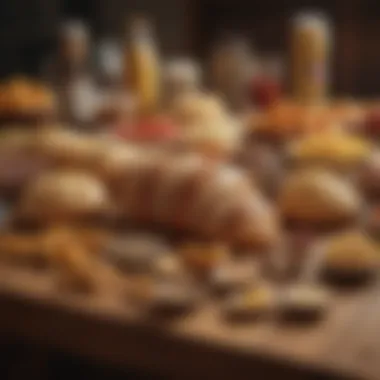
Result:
x=206 y=125
x=63 y=196
x=26 y=101
x=192 y=107
x=218 y=137
x=67 y=148
x=350 y=258
x=319 y=197
x=303 y=303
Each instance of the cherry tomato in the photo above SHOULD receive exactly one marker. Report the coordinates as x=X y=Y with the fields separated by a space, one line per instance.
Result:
x=265 y=91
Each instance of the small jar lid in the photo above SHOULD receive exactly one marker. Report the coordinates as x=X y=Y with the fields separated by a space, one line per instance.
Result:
x=311 y=20
x=74 y=30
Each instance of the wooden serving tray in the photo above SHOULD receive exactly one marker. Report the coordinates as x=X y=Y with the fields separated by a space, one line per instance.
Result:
x=200 y=345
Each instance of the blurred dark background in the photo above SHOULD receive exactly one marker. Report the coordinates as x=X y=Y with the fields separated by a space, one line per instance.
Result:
x=28 y=30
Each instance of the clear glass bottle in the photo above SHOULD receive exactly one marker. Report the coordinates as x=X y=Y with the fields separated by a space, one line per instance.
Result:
x=141 y=65
x=109 y=62
x=267 y=82
x=181 y=75
x=311 y=46
x=230 y=69
x=71 y=74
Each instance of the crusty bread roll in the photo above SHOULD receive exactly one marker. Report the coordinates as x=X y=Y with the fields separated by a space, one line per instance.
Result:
x=188 y=193
x=63 y=196
x=69 y=148
x=350 y=258
x=206 y=126
x=318 y=196
x=184 y=191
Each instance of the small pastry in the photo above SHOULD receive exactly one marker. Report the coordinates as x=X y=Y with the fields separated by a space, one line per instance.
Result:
x=233 y=276
x=79 y=270
x=64 y=196
x=193 y=107
x=286 y=120
x=350 y=258
x=215 y=138
x=319 y=198
x=250 y=304
x=334 y=149
x=26 y=102
x=207 y=127
x=201 y=259
x=135 y=253
x=303 y=303
x=168 y=298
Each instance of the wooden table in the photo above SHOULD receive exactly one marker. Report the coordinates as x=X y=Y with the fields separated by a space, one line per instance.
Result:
x=344 y=345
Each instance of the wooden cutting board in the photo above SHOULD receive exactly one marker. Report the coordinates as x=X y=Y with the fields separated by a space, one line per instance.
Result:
x=200 y=345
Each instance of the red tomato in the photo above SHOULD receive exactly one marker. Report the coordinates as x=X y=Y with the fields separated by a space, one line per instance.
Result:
x=265 y=91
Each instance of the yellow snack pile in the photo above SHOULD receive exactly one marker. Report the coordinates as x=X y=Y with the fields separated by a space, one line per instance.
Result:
x=333 y=145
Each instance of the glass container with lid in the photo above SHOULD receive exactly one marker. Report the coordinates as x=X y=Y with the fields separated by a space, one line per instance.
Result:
x=142 y=66
x=311 y=45
x=230 y=69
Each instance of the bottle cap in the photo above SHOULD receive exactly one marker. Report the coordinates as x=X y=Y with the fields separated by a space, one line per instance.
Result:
x=75 y=30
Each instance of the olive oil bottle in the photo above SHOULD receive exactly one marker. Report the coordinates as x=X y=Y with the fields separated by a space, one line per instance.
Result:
x=142 y=66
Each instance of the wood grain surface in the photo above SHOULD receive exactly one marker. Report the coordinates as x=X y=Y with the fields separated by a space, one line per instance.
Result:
x=344 y=345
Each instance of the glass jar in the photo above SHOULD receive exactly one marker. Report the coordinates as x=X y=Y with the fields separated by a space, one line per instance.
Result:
x=180 y=76
x=230 y=69
x=142 y=66
x=311 y=45
x=267 y=82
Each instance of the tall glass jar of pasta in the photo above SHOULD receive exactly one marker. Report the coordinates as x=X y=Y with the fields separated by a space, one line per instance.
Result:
x=311 y=46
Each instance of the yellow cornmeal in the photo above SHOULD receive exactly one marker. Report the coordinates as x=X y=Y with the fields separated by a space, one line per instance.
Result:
x=335 y=145
x=351 y=250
